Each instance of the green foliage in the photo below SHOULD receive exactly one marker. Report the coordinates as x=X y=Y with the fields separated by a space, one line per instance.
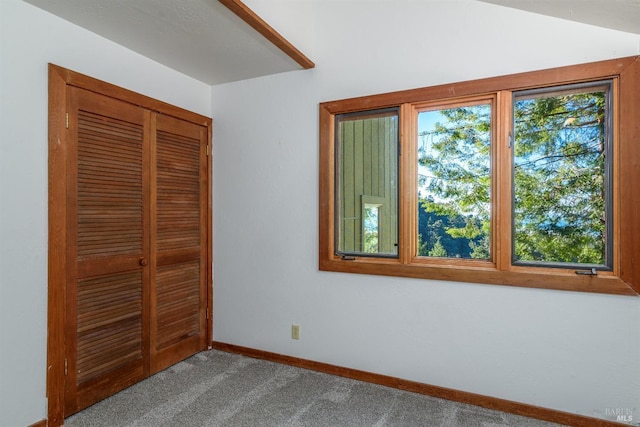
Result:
x=455 y=153
x=371 y=230
x=438 y=250
x=559 y=196
x=371 y=243
x=432 y=229
x=559 y=179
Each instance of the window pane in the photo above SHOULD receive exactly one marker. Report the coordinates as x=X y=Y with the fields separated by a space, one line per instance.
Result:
x=560 y=176
x=371 y=228
x=366 y=183
x=454 y=178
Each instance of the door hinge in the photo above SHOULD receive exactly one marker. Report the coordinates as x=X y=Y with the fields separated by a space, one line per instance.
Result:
x=207 y=312
x=207 y=150
x=65 y=366
x=67 y=120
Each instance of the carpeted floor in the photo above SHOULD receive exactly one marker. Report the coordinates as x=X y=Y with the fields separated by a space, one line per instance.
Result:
x=215 y=388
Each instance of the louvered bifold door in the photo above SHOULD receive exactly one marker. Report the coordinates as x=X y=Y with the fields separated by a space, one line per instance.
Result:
x=178 y=240
x=108 y=248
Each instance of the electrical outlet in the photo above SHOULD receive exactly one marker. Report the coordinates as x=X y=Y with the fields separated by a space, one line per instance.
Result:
x=295 y=332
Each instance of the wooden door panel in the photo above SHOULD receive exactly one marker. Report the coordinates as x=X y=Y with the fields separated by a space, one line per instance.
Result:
x=104 y=386
x=178 y=312
x=178 y=302
x=110 y=179
x=179 y=203
x=108 y=238
x=177 y=191
x=109 y=325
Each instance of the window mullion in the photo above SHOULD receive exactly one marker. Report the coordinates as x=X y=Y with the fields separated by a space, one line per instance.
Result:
x=501 y=229
x=407 y=203
x=615 y=176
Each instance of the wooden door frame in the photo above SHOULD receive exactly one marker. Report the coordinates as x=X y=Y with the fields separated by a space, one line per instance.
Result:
x=59 y=79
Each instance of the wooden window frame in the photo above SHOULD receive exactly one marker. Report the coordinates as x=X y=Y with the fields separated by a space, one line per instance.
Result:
x=624 y=279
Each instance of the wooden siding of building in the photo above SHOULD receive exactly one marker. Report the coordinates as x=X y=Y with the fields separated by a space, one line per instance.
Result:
x=368 y=173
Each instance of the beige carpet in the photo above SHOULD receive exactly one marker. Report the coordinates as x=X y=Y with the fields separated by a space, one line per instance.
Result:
x=215 y=388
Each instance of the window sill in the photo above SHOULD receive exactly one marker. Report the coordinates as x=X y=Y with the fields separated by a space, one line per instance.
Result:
x=484 y=273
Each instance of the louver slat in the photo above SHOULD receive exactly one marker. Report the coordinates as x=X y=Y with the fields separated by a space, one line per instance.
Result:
x=180 y=194
x=109 y=323
x=110 y=176
x=178 y=290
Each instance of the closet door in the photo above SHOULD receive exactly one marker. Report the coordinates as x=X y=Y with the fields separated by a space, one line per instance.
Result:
x=129 y=239
x=108 y=221
x=178 y=240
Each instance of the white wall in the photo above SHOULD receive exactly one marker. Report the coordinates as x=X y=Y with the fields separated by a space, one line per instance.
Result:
x=568 y=351
x=31 y=38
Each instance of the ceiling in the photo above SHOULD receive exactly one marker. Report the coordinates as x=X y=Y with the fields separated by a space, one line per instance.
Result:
x=622 y=15
x=205 y=40
x=200 y=38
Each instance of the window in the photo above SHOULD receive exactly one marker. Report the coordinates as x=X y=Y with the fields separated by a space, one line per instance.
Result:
x=454 y=181
x=367 y=183
x=521 y=180
x=378 y=237
x=561 y=174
